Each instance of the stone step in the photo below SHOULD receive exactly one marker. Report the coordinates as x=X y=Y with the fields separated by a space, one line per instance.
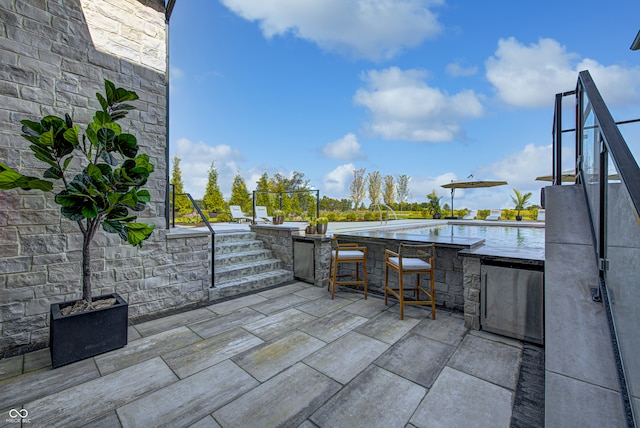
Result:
x=235 y=237
x=238 y=246
x=226 y=273
x=242 y=257
x=249 y=283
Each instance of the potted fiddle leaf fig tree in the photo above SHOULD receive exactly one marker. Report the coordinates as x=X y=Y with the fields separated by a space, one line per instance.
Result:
x=97 y=179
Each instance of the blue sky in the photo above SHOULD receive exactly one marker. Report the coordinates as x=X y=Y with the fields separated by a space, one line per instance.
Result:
x=433 y=89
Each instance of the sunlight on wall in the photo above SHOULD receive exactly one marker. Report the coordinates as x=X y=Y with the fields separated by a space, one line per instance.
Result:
x=127 y=29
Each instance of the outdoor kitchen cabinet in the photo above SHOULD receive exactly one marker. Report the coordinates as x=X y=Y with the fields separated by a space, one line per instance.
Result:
x=512 y=300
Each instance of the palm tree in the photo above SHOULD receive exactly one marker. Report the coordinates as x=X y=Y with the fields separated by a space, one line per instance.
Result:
x=520 y=200
x=433 y=204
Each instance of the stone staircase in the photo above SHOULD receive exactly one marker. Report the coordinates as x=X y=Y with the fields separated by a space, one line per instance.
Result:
x=242 y=264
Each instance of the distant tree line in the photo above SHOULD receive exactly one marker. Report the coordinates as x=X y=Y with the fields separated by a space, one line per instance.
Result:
x=292 y=195
x=295 y=196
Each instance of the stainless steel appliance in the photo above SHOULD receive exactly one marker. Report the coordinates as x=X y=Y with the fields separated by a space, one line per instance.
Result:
x=512 y=300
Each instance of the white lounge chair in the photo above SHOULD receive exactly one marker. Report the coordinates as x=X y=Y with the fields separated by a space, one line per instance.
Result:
x=540 y=215
x=494 y=215
x=237 y=214
x=470 y=215
x=262 y=214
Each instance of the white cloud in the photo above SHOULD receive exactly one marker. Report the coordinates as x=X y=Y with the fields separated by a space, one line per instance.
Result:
x=336 y=183
x=196 y=160
x=530 y=76
x=404 y=107
x=420 y=187
x=346 y=148
x=521 y=168
x=372 y=29
x=619 y=86
x=457 y=70
x=176 y=72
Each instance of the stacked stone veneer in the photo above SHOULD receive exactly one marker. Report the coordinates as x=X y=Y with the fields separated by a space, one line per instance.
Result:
x=278 y=239
x=471 y=292
x=54 y=55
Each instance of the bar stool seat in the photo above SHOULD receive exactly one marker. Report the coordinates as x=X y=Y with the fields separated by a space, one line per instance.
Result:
x=411 y=260
x=347 y=253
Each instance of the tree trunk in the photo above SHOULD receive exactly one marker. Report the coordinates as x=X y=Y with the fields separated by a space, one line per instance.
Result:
x=87 y=236
x=86 y=268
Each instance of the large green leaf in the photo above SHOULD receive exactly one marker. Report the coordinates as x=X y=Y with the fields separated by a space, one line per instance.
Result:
x=130 y=199
x=102 y=101
x=32 y=128
x=90 y=211
x=127 y=145
x=46 y=138
x=10 y=179
x=53 y=172
x=71 y=135
x=144 y=196
x=73 y=213
x=108 y=158
x=106 y=137
x=43 y=155
x=138 y=232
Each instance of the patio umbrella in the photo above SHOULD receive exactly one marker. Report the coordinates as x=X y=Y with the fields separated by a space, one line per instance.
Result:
x=470 y=184
x=567 y=177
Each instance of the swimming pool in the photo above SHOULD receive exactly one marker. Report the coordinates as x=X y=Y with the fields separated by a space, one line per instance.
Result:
x=494 y=236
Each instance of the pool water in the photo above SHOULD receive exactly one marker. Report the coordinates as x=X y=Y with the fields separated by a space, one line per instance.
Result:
x=502 y=236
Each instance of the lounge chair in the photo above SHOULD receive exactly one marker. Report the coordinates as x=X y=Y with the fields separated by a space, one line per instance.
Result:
x=470 y=215
x=494 y=215
x=540 y=215
x=262 y=214
x=237 y=214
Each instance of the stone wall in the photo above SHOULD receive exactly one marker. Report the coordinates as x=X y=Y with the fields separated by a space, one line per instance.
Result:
x=278 y=239
x=54 y=55
x=471 y=292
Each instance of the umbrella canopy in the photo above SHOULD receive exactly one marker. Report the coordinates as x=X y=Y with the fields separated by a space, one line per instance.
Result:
x=473 y=184
x=571 y=178
x=470 y=184
x=567 y=177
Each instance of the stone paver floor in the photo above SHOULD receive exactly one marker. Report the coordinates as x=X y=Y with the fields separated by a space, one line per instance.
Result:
x=288 y=356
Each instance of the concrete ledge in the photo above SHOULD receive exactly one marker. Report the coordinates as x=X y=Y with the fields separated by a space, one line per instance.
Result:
x=581 y=384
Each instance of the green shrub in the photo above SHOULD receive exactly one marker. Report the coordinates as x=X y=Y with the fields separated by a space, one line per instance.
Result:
x=352 y=216
x=483 y=214
x=369 y=216
x=222 y=217
x=332 y=216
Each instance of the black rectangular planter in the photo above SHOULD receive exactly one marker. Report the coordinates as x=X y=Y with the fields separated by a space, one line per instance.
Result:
x=82 y=335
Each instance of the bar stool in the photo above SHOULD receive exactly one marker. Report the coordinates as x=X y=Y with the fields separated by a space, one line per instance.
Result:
x=347 y=253
x=411 y=259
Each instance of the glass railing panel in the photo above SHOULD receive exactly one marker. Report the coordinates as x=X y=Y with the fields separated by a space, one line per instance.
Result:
x=591 y=160
x=623 y=277
x=631 y=134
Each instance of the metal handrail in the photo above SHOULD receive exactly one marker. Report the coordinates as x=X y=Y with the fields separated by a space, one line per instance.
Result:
x=625 y=163
x=206 y=222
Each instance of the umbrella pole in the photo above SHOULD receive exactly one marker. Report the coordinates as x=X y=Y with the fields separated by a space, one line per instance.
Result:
x=453 y=191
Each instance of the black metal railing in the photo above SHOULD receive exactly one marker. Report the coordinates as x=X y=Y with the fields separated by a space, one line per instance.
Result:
x=204 y=219
x=610 y=178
